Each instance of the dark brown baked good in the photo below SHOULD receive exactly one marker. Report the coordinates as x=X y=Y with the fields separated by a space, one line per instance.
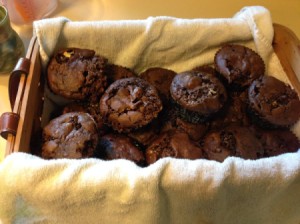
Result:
x=77 y=74
x=199 y=113
x=197 y=95
x=173 y=122
x=217 y=146
x=276 y=142
x=119 y=146
x=129 y=103
x=205 y=68
x=161 y=79
x=233 y=112
x=273 y=103
x=115 y=72
x=145 y=135
x=194 y=131
x=71 y=135
x=232 y=141
x=92 y=109
x=239 y=65
x=174 y=144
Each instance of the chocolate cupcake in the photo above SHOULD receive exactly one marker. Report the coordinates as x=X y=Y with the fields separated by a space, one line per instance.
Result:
x=173 y=122
x=239 y=65
x=71 y=135
x=92 y=109
x=172 y=144
x=218 y=145
x=116 y=72
x=276 y=142
x=194 y=131
x=197 y=95
x=119 y=146
x=145 y=135
x=77 y=74
x=205 y=68
x=161 y=79
x=231 y=141
x=234 y=111
x=273 y=103
x=129 y=103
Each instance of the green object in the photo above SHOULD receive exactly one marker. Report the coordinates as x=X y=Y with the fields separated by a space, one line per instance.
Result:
x=11 y=45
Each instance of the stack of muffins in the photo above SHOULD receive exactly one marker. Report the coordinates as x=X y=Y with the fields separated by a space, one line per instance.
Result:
x=212 y=112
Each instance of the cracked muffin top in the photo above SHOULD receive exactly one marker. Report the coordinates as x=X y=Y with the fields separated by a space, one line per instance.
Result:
x=239 y=65
x=274 y=101
x=198 y=91
x=71 y=135
x=129 y=103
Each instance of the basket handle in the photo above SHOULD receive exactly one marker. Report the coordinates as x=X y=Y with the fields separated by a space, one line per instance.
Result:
x=8 y=124
x=9 y=120
x=21 y=68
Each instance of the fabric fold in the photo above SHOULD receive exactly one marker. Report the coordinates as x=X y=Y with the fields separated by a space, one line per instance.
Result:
x=174 y=43
x=169 y=191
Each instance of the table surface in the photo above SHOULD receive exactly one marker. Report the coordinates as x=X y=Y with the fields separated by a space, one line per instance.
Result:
x=286 y=13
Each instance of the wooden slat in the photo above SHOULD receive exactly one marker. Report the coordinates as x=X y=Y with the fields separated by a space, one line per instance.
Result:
x=287 y=48
x=11 y=139
x=17 y=107
x=23 y=106
x=29 y=104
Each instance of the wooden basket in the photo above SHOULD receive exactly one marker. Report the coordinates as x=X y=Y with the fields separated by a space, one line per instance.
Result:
x=26 y=90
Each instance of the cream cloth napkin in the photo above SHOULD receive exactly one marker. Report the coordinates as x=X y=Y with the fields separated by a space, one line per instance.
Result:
x=237 y=191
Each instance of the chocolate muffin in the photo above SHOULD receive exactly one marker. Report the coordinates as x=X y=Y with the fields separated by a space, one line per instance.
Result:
x=174 y=122
x=239 y=65
x=129 y=103
x=174 y=144
x=77 y=74
x=194 y=131
x=161 y=79
x=92 y=109
x=197 y=95
x=231 y=141
x=273 y=103
x=145 y=135
x=276 y=142
x=71 y=135
x=205 y=68
x=74 y=107
x=119 y=146
x=233 y=112
x=115 y=72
